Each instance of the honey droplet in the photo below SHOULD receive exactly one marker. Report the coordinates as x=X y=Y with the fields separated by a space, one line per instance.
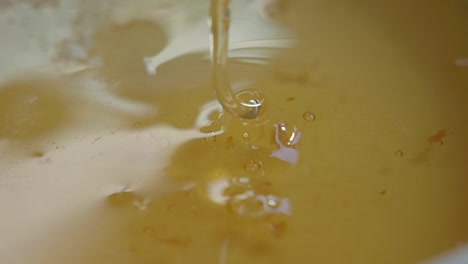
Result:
x=309 y=116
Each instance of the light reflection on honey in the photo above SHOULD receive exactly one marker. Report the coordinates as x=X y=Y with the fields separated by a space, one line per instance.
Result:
x=360 y=158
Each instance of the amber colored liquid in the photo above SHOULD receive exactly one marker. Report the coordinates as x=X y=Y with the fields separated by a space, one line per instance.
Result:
x=360 y=157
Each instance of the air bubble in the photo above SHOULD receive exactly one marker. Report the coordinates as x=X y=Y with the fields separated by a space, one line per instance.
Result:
x=246 y=136
x=399 y=153
x=242 y=181
x=287 y=135
x=251 y=100
x=253 y=166
x=309 y=116
x=272 y=203
x=275 y=205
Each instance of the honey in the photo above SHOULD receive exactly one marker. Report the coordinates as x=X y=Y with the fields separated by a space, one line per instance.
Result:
x=357 y=156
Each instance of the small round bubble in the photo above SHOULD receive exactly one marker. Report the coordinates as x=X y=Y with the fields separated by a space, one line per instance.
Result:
x=253 y=166
x=309 y=116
